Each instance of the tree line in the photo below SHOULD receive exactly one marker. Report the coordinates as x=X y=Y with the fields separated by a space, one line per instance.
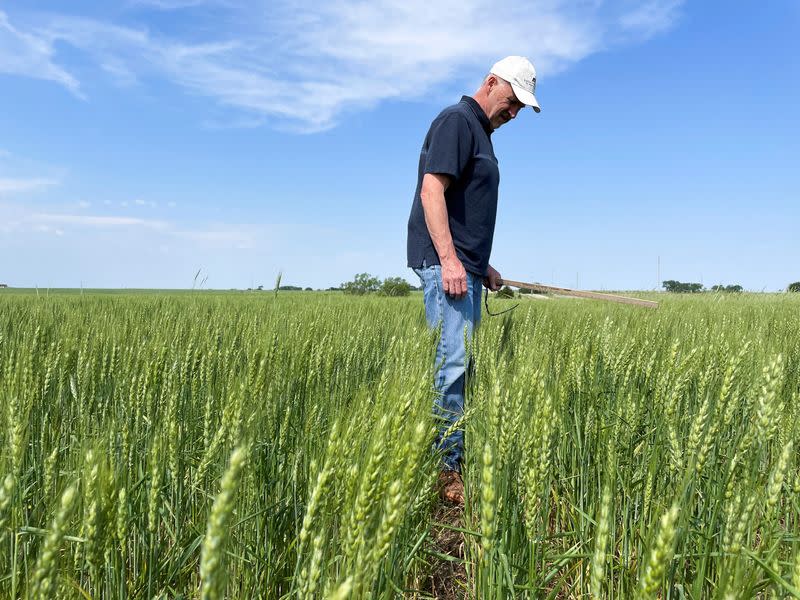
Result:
x=364 y=283
x=680 y=287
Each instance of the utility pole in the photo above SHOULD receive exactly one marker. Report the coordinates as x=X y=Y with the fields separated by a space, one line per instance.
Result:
x=658 y=277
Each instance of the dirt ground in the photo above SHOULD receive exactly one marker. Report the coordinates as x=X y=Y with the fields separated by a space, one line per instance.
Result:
x=448 y=579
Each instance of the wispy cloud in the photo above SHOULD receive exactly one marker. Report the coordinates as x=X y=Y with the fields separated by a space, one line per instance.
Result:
x=98 y=220
x=142 y=202
x=306 y=66
x=650 y=18
x=42 y=228
x=31 y=55
x=16 y=185
x=168 y=4
x=16 y=217
x=206 y=236
x=211 y=235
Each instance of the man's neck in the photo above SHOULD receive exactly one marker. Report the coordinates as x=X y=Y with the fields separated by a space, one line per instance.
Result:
x=482 y=100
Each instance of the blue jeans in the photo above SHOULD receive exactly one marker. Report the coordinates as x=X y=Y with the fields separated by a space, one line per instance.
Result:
x=458 y=318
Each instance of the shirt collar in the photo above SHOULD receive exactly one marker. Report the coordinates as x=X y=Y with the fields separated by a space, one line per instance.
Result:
x=476 y=108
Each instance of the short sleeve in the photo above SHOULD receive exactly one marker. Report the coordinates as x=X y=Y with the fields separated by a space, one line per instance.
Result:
x=449 y=145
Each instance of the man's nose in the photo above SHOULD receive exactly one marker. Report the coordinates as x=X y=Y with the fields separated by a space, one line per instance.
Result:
x=512 y=111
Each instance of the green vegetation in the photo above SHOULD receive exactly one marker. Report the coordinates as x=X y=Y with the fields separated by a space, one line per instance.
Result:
x=505 y=292
x=364 y=283
x=735 y=289
x=395 y=286
x=255 y=445
x=678 y=287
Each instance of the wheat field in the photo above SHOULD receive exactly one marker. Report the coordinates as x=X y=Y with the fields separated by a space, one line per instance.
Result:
x=223 y=445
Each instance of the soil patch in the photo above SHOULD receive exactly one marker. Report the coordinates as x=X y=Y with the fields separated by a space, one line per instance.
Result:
x=448 y=578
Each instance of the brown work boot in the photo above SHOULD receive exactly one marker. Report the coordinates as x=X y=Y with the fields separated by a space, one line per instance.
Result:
x=451 y=487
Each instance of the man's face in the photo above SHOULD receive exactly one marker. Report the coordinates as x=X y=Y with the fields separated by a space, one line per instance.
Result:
x=503 y=104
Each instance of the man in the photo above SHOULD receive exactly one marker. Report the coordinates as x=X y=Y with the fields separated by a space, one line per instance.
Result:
x=450 y=233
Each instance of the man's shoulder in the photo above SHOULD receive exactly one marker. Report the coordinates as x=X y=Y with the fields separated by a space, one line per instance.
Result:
x=459 y=110
x=455 y=119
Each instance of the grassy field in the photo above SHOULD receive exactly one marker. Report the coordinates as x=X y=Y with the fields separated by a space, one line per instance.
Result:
x=214 y=445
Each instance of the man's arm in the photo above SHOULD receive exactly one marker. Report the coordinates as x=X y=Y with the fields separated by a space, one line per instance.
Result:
x=454 y=276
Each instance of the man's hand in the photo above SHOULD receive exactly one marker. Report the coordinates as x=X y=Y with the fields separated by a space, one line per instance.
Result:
x=454 y=277
x=492 y=279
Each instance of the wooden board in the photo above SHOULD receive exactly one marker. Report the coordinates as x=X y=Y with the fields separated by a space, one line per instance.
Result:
x=549 y=289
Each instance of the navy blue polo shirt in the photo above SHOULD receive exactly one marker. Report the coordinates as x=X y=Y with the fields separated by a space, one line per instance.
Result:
x=459 y=144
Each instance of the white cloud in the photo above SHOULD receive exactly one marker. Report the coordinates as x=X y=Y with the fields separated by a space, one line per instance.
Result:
x=172 y=4
x=16 y=185
x=48 y=229
x=19 y=219
x=650 y=18
x=31 y=55
x=99 y=220
x=304 y=66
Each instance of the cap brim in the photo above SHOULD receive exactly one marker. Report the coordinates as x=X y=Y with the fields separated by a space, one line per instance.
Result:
x=526 y=97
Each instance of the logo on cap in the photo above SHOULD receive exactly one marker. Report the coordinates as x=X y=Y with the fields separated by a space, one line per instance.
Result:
x=530 y=84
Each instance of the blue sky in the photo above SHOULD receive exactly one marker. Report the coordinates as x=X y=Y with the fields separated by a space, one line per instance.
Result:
x=143 y=140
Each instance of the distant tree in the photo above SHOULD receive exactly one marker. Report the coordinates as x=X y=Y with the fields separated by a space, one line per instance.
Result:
x=794 y=287
x=678 y=287
x=525 y=291
x=364 y=283
x=290 y=288
x=670 y=285
x=505 y=292
x=260 y=288
x=395 y=286
x=308 y=289
x=727 y=288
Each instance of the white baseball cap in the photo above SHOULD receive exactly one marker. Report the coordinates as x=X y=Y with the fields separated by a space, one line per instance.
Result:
x=521 y=74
